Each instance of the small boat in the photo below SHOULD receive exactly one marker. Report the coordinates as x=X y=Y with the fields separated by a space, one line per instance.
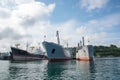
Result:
x=85 y=52
x=23 y=55
x=55 y=52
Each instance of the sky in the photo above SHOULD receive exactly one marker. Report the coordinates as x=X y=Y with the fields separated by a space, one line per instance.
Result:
x=28 y=21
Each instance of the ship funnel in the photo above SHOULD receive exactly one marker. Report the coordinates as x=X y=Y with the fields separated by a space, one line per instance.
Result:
x=57 y=35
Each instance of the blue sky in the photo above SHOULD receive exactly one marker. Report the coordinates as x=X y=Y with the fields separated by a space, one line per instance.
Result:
x=72 y=9
x=23 y=21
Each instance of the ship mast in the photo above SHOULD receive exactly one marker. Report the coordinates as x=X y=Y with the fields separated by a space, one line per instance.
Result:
x=27 y=46
x=83 y=41
x=58 y=39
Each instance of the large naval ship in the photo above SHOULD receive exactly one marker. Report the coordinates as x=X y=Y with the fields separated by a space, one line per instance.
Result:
x=56 y=52
x=85 y=52
x=18 y=54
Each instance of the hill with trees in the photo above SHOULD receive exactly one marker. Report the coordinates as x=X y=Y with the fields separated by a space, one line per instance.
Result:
x=105 y=51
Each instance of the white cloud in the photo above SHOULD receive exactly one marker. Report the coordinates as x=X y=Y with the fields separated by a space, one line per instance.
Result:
x=100 y=31
x=18 y=2
x=9 y=33
x=33 y=9
x=22 y=19
x=29 y=21
x=91 y=5
x=4 y=13
x=30 y=13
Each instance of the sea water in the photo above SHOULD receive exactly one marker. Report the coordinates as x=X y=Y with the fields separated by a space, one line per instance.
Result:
x=99 y=69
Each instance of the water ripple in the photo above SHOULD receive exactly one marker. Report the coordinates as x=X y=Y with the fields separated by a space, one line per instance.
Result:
x=100 y=69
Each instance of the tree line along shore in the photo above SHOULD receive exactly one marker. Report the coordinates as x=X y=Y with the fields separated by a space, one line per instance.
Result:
x=107 y=51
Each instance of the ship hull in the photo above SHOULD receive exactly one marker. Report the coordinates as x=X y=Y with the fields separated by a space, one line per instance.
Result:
x=22 y=55
x=55 y=52
x=85 y=53
x=85 y=58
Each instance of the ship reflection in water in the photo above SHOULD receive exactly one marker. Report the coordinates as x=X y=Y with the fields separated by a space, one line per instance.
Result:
x=70 y=70
x=58 y=70
x=86 y=69
x=100 y=69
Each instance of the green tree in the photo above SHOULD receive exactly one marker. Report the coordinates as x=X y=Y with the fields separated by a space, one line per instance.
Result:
x=113 y=46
